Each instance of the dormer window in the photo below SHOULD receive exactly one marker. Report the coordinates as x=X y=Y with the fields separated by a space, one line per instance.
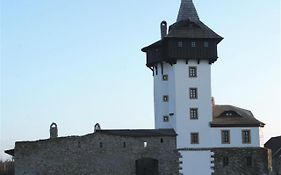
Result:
x=228 y=114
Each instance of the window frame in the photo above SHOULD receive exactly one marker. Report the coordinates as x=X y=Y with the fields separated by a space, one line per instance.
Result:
x=165 y=98
x=167 y=118
x=194 y=138
x=193 y=113
x=165 y=77
x=193 y=95
x=206 y=44
x=225 y=139
x=248 y=140
x=192 y=71
x=193 y=44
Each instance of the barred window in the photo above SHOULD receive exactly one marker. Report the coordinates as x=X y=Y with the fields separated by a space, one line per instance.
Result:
x=193 y=113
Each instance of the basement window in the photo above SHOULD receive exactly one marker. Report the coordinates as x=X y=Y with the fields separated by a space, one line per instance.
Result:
x=249 y=161
x=225 y=161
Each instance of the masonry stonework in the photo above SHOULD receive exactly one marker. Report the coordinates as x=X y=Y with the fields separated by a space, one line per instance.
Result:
x=242 y=161
x=97 y=153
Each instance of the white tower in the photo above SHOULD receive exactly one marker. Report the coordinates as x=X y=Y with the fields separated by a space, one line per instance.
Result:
x=181 y=64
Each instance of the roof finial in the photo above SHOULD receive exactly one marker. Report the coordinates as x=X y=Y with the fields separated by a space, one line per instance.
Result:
x=187 y=11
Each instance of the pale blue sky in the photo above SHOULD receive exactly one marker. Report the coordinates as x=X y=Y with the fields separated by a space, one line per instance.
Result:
x=77 y=63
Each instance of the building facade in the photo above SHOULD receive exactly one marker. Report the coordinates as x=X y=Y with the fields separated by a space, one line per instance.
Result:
x=105 y=152
x=181 y=63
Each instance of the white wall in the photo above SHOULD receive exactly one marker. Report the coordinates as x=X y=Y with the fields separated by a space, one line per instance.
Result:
x=177 y=88
x=236 y=137
x=196 y=162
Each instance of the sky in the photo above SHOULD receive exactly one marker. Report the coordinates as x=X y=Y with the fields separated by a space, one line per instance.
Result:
x=78 y=63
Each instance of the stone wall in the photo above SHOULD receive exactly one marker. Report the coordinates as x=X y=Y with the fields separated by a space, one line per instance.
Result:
x=95 y=154
x=242 y=161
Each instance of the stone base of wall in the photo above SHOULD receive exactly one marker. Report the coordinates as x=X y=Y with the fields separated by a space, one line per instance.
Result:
x=242 y=161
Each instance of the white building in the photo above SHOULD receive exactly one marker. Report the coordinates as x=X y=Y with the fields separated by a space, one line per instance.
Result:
x=181 y=64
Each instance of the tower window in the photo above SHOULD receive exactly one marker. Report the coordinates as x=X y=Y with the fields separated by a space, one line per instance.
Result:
x=192 y=71
x=165 y=77
x=165 y=118
x=193 y=44
x=144 y=144
x=225 y=161
x=193 y=93
x=246 y=136
x=165 y=98
x=180 y=44
x=206 y=44
x=225 y=137
x=194 y=138
x=101 y=145
x=193 y=113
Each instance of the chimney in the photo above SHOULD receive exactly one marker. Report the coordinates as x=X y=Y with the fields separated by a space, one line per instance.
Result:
x=53 y=131
x=163 y=27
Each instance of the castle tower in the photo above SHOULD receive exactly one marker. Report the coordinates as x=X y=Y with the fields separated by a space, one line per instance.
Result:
x=181 y=64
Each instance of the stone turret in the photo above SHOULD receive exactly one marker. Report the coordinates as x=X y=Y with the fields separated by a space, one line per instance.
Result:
x=53 y=131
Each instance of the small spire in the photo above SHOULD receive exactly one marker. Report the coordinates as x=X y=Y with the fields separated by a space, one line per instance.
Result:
x=187 y=11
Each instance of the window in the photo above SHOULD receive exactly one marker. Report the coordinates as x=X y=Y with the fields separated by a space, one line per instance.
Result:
x=225 y=137
x=194 y=138
x=193 y=44
x=144 y=144
x=246 y=136
x=166 y=118
x=193 y=113
x=206 y=44
x=165 y=98
x=124 y=144
x=180 y=44
x=192 y=71
x=193 y=93
x=225 y=161
x=101 y=145
x=249 y=161
x=165 y=77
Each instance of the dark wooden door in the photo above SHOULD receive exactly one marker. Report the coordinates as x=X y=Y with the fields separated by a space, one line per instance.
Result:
x=147 y=166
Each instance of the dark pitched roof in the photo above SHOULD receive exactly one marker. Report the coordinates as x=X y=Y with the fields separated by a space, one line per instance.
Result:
x=140 y=132
x=192 y=29
x=274 y=143
x=232 y=116
x=187 y=11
